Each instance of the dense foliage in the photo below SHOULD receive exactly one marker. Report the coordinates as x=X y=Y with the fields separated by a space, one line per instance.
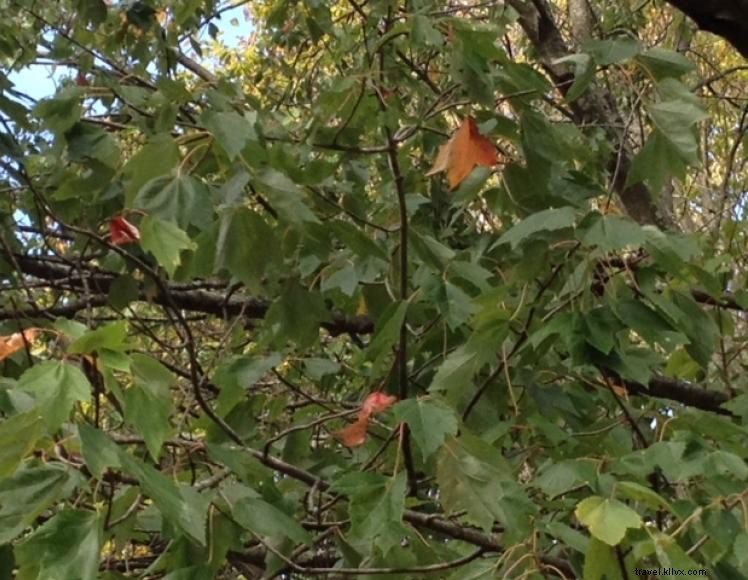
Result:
x=263 y=314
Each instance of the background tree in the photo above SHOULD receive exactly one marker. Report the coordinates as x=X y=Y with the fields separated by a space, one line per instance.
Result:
x=419 y=288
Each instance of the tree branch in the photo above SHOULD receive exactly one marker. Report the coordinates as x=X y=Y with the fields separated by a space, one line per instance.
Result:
x=595 y=106
x=725 y=18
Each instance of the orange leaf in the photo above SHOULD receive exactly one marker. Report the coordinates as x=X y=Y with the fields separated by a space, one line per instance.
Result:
x=466 y=149
x=620 y=390
x=355 y=434
x=15 y=342
x=123 y=232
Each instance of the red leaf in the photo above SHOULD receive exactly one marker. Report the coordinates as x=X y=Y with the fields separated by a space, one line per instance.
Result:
x=466 y=149
x=123 y=232
x=376 y=403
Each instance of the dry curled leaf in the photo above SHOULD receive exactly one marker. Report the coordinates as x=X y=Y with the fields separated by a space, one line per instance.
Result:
x=466 y=149
x=16 y=341
x=376 y=403
x=122 y=231
x=355 y=434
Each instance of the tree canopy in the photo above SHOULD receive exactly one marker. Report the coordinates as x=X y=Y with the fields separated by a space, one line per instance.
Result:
x=414 y=289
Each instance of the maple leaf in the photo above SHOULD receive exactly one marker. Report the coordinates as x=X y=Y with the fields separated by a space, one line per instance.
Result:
x=466 y=149
x=122 y=231
x=15 y=342
x=355 y=434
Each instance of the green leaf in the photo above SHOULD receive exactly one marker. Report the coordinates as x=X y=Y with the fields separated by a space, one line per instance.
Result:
x=67 y=546
x=239 y=374
x=165 y=241
x=430 y=421
x=231 y=130
x=542 y=221
x=571 y=537
x=28 y=493
x=388 y=330
x=183 y=199
x=247 y=247
x=656 y=162
x=602 y=326
x=601 y=562
x=62 y=111
x=88 y=142
x=109 y=336
x=676 y=120
x=264 y=519
x=123 y=290
x=473 y=476
x=98 y=450
x=285 y=197
x=56 y=387
x=584 y=74
x=650 y=325
x=159 y=156
x=183 y=507
x=456 y=371
x=18 y=435
x=725 y=463
x=563 y=476
x=148 y=402
x=423 y=33
x=93 y=11
x=611 y=232
x=607 y=519
x=376 y=505
x=297 y=315
x=671 y=555
x=540 y=141
x=662 y=63
x=149 y=411
x=638 y=492
x=611 y=51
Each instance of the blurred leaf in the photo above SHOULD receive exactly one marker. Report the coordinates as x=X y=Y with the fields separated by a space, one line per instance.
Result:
x=98 y=450
x=543 y=221
x=473 y=476
x=109 y=336
x=18 y=435
x=159 y=156
x=28 y=493
x=376 y=505
x=388 y=331
x=601 y=562
x=661 y=62
x=231 y=130
x=184 y=507
x=264 y=519
x=611 y=50
x=247 y=246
